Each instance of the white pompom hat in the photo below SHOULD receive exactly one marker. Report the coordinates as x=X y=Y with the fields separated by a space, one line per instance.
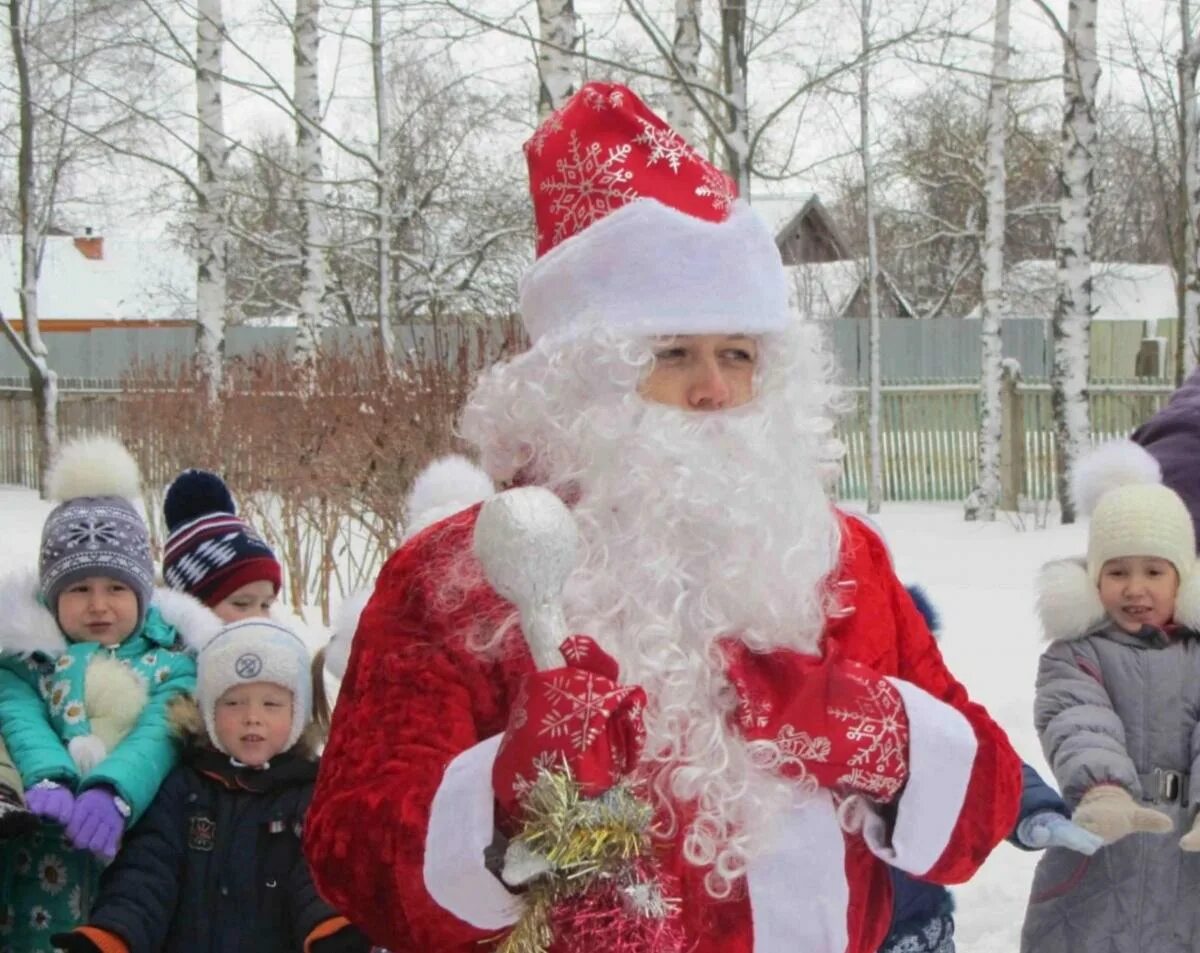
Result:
x=255 y=650
x=1132 y=513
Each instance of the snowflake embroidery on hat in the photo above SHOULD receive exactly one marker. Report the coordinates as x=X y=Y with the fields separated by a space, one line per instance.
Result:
x=550 y=125
x=40 y=918
x=600 y=101
x=717 y=186
x=666 y=144
x=577 y=709
x=93 y=533
x=589 y=187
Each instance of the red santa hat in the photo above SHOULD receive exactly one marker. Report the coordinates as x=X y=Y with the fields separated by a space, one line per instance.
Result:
x=637 y=231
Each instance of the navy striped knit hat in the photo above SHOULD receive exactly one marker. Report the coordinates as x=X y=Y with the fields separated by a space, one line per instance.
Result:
x=211 y=552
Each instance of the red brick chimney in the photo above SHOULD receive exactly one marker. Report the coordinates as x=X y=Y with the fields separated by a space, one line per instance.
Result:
x=89 y=245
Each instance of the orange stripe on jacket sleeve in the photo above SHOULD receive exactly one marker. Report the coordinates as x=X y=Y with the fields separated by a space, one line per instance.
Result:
x=321 y=931
x=107 y=942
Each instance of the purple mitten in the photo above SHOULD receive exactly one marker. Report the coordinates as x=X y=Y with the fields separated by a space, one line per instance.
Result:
x=50 y=800
x=97 y=823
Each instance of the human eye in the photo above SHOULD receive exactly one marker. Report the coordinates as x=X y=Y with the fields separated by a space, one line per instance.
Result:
x=740 y=355
x=670 y=353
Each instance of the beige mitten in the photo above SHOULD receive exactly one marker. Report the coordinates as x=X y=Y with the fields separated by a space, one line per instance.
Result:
x=1110 y=812
x=1191 y=840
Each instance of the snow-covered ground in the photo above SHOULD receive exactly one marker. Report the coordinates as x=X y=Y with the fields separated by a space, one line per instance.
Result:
x=980 y=578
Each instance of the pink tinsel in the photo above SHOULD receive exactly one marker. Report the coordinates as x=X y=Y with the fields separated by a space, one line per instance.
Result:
x=601 y=918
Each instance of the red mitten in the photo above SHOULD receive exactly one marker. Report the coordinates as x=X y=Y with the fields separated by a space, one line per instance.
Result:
x=576 y=717
x=836 y=721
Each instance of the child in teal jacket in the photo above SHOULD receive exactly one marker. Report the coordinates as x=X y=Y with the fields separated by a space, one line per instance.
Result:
x=90 y=656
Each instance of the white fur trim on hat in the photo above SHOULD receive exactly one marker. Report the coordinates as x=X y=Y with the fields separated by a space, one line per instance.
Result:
x=255 y=650
x=1111 y=465
x=445 y=487
x=93 y=466
x=650 y=269
x=1068 y=602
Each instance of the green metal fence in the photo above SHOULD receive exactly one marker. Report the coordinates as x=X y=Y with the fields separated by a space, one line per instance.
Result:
x=930 y=435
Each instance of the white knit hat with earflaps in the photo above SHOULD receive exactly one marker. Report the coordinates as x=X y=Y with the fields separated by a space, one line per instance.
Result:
x=1132 y=514
x=254 y=650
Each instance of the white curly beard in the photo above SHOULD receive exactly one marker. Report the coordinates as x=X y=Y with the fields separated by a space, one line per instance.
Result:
x=694 y=527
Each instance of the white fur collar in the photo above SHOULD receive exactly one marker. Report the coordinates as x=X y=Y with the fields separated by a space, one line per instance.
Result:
x=1069 y=604
x=27 y=626
x=195 y=622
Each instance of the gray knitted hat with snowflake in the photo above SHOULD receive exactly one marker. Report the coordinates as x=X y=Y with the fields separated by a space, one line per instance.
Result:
x=95 y=530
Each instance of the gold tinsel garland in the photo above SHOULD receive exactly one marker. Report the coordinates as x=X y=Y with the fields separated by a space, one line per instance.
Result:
x=586 y=842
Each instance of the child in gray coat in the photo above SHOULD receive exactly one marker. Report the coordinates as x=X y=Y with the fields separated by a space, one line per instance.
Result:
x=1118 y=711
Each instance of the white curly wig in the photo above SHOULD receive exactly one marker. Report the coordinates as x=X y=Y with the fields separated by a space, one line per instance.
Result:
x=694 y=526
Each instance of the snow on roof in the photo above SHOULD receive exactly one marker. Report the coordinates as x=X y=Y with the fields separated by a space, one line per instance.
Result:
x=824 y=289
x=137 y=279
x=1121 y=291
x=778 y=210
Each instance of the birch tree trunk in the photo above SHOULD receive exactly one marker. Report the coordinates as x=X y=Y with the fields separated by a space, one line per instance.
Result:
x=987 y=495
x=1188 y=339
x=314 y=234
x=43 y=381
x=1073 y=308
x=383 y=218
x=734 y=74
x=685 y=53
x=212 y=229
x=875 y=395
x=557 y=79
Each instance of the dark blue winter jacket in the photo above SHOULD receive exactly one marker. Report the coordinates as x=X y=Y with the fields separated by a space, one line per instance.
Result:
x=216 y=866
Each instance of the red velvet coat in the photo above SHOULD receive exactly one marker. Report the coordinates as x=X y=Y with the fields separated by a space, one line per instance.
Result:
x=417 y=706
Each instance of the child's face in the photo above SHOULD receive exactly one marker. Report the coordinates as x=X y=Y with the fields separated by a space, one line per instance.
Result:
x=1138 y=591
x=252 y=601
x=253 y=721
x=98 y=609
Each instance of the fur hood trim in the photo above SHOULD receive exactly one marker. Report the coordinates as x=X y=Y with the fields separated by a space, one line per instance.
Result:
x=447 y=486
x=345 y=624
x=1069 y=604
x=187 y=724
x=195 y=622
x=27 y=626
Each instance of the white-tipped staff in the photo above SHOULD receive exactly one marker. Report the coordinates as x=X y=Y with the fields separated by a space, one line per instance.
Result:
x=528 y=544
